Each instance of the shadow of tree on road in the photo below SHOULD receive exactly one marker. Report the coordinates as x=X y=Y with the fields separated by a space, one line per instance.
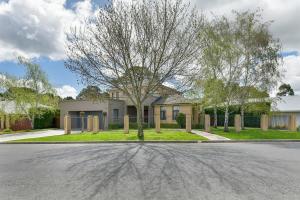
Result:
x=165 y=171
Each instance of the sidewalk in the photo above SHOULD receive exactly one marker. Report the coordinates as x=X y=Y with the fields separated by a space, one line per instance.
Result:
x=210 y=136
x=29 y=135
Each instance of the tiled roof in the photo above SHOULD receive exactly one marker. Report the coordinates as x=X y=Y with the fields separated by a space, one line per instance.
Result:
x=173 y=99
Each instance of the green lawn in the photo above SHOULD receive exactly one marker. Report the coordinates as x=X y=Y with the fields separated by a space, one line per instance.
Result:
x=118 y=135
x=255 y=133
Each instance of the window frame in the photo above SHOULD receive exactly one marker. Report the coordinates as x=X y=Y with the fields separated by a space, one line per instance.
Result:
x=177 y=111
x=163 y=113
x=113 y=114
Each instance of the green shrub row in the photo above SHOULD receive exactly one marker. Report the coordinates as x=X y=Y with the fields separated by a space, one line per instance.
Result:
x=165 y=125
x=115 y=126
x=46 y=119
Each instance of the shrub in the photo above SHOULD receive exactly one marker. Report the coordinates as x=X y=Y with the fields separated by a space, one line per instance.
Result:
x=115 y=126
x=134 y=125
x=8 y=130
x=197 y=126
x=180 y=119
x=169 y=125
x=46 y=119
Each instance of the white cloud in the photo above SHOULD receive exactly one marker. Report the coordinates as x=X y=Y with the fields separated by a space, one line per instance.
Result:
x=292 y=74
x=66 y=91
x=34 y=28
x=285 y=15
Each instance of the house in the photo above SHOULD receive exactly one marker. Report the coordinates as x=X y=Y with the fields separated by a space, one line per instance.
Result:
x=282 y=109
x=166 y=102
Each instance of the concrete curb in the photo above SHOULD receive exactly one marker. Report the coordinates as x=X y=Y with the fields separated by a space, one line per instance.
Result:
x=105 y=142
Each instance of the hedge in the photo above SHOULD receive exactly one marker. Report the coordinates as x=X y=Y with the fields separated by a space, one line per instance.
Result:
x=115 y=126
x=165 y=125
x=46 y=120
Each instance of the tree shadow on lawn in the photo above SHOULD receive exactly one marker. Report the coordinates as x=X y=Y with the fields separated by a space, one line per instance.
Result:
x=166 y=171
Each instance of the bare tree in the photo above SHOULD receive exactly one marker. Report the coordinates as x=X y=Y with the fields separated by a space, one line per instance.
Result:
x=135 y=47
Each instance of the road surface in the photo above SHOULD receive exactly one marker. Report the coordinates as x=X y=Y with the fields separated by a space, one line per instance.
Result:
x=150 y=171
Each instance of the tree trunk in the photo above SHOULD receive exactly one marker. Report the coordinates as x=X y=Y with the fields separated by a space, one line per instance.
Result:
x=32 y=121
x=140 y=122
x=226 y=129
x=215 y=118
x=242 y=117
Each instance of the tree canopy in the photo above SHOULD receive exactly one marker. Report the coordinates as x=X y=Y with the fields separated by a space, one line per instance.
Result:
x=92 y=93
x=285 y=90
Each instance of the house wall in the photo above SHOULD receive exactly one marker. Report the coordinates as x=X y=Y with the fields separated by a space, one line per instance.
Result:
x=281 y=119
x=68 y=106
x=116 y=104
x=186 y=109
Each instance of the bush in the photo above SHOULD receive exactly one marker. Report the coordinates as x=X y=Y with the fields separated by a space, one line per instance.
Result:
x=134 y=125
x=115 y=126
x=169 y=126
x=46 y=119
x=180 y=119
x=197 y=126
x=8 y=130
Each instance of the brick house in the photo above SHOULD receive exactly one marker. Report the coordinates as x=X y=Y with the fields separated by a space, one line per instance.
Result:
x=166 y=102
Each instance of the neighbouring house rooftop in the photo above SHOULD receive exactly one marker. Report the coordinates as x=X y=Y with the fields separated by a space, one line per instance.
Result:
x=287 y=104
x=10 y=107
x=173 y=99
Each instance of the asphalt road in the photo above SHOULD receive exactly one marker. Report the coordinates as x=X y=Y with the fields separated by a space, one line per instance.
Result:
x=150 y=171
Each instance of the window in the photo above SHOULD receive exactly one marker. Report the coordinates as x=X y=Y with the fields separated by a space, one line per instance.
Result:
x=117 y=95
x=115 y=114
x=175 y=112
x=163 y=115
x=112 y=95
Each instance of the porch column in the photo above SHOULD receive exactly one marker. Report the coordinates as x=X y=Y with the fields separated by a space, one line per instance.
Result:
x=90 y=123
x=264 y=122
x=96 y=124
x=207 y=123
x=157 y=118
x=188 y=123
x=237 y=123
x=126 y=124
x=67 y=124
x=7 y=122
x=2 y=120
x=292 y=123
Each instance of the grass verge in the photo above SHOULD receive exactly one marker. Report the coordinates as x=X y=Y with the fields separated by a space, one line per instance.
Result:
x=118 y=135
x=256 y=133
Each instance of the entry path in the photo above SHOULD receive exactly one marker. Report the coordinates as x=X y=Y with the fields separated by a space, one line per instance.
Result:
x=29 y=135
x=210 y=136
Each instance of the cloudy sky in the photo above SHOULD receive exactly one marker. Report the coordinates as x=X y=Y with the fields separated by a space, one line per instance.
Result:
x=35 y=29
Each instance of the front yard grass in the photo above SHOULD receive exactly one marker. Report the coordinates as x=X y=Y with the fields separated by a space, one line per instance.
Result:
x=118 y=135
x=256 y=133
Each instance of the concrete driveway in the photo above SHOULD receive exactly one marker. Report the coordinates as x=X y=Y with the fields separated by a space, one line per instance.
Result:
x=28 y=135
x=151 y=171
